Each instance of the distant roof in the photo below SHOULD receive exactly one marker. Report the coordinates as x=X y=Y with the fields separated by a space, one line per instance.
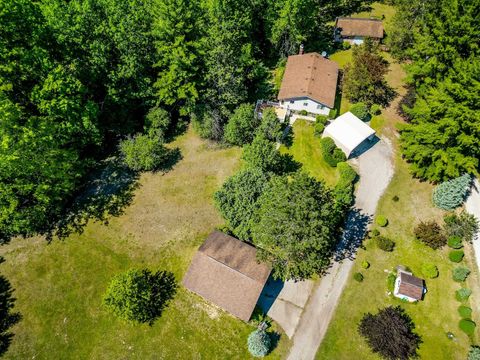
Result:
x=348 y=131
x=360 y=27
x=225 y=272
x=310 y=75
x=410 y=286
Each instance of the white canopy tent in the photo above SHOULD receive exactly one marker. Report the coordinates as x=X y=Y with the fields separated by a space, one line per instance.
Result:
x=348 y=132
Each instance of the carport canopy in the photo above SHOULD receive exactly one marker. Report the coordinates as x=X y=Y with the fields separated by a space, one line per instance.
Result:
x=348 y=132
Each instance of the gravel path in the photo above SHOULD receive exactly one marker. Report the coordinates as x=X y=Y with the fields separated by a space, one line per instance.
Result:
x=375 y=168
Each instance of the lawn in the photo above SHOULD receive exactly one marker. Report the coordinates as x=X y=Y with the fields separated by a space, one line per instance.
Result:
x=306 y=150
x=59 y=286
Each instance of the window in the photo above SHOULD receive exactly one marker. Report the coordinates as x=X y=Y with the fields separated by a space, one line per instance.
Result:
x=292 y=102
x=281 y=102
x=320 y=106
x=305 y=104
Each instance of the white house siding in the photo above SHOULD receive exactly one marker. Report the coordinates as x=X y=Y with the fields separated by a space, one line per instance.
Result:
x=311 y=106
x=401 y=296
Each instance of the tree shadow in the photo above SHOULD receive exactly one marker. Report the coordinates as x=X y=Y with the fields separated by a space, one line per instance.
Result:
x=274 y=340
x=172 y=158
x=287 y=137
x=354 y=231
x=7 y=318
x=164 y=288
x=288 y=164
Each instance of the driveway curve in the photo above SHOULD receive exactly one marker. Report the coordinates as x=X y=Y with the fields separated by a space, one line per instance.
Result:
x=375 y=167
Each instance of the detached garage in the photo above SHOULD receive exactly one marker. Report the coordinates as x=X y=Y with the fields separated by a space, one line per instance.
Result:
x=348 y=132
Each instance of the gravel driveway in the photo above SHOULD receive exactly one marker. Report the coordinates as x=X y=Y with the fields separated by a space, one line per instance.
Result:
x=375 y=167
x=472 y=205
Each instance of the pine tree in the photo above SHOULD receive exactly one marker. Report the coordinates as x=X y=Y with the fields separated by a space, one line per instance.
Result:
x=451 y=194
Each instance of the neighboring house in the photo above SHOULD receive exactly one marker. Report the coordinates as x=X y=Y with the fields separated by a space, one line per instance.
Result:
x=226 y=273
x=309 y=83
x=348 y=132
x=408 y=287
x=355 y=30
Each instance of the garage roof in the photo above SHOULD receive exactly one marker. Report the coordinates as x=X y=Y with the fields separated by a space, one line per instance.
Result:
x=348 y=131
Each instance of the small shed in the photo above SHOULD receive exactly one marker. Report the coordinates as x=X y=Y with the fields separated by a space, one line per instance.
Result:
x=348 y=132
x=408 y=287
x=225 y=272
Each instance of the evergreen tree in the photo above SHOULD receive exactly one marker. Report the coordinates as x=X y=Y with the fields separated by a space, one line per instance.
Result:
x=451 y=194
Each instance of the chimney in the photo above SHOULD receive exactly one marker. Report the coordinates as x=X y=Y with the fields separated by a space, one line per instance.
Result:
x=302 y=49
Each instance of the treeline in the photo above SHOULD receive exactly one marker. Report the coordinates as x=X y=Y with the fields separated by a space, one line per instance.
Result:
x=440 y=40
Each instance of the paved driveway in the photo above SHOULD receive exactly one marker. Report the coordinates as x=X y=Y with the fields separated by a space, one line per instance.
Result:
x=472 y=205
x=375 y=167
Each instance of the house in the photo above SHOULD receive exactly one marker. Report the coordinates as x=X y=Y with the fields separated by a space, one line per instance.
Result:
x=309 y=84
x=408 y=287
x=262 y=105
x=348 y=132
x=355 y=30
x=226 y=273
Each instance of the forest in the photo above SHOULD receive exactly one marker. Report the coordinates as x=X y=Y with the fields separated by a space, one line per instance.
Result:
x=84 y=80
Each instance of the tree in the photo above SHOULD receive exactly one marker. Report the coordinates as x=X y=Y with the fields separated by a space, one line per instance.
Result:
x=270 y=127
x=474 y=353
x=296 y=226
x=464 y=226
x=241 y=126
x=237 y=200
x=364 y=79
x=390 y=333
x=139 y=295
x=259 y=343
x=157 y=122
x=431 y=234
x=452 y=193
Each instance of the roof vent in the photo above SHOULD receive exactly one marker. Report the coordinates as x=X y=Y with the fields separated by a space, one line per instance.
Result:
x=324 y=54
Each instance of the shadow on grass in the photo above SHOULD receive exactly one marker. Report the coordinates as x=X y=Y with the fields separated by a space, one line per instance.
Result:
x=7 y=318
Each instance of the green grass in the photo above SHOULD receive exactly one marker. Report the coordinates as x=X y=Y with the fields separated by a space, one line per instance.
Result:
x=306 y=150
x=59 y=287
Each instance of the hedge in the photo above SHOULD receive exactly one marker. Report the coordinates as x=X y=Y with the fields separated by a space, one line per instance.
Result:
x=330 y=152
x=456 y=255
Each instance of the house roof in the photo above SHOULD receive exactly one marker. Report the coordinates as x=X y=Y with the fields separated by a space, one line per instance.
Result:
x=410 y=286
x=225 y=272
x=360 y=27
x=348 y=131
x=310 y=75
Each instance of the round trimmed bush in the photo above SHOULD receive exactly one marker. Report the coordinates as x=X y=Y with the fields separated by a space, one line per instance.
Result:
x=375 y=109
x=365 y=264
x=384 y=243
x=319 y=127
x=321 y=119
x=467 y=326
x=373 y=233
x=358 y=277
x=360 y=110
x=463 y=294
x=460 y=273
x=455 y=242
x=381 y=220
x=259 y=343
x=456 y=255
x=395 y=198
x=429 y=270
x=464 y=311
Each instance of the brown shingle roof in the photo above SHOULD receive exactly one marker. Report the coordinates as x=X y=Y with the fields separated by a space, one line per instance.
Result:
x=310 y=75
x=410 y=286
x=360 y=27
x=225 y=272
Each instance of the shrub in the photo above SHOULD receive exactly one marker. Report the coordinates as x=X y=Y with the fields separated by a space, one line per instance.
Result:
x=270 y=126
x=259 y=343
x=346 y=172
x=139 y=295
x=456 y=255
x=464 y=311
x=241 y=125
x=332 y=114
x=330 y=152
x=460 y=273
x=390 y=333
x=344 y=195
x=143 y=152
x=365 y=264
x=395 y=198
x=391 y=278
x=381 y=220
x=358 y=277
x=374 y=233
x=319 y=127
x=429 y=270
x=303 y=112
x=463 y=294
x=451 y=194
x=467 y=326
x=474 y=353
x=455 y=242
x=431 y=234
x=464 y=226
x=375 y=109
x=360 y=110
x=384 y=243
x=321 y=119
x=346 y=45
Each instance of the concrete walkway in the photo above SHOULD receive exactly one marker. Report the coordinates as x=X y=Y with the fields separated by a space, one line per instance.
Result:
x=375 y=168
x=472 y=205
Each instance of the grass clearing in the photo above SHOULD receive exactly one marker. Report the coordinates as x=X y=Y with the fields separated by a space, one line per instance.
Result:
x=306 y=150
x=60 y=286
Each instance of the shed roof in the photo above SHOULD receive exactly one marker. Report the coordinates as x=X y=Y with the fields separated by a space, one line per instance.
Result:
x=312 y=76
x=225 y=272
x=348 y=131
x=410 y=286
x=360 y=27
